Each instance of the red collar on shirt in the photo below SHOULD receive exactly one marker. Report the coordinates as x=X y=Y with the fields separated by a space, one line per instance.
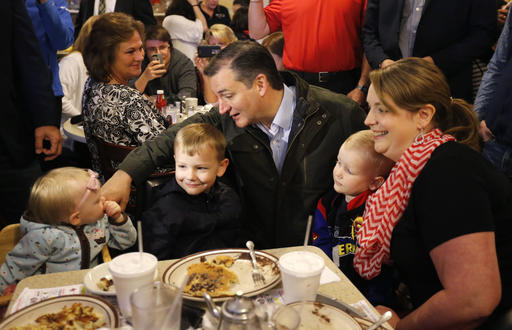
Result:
x=359 y=200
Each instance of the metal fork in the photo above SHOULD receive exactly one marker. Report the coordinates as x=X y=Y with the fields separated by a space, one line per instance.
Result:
x=257 y=275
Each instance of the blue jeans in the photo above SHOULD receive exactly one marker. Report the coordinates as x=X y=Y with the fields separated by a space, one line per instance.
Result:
x=500 y=155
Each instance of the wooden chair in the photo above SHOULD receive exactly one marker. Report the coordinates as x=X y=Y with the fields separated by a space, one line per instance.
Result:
x=9 y=237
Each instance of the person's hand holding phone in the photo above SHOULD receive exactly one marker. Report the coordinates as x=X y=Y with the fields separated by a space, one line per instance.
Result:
x=201 y=63
x=155 y=69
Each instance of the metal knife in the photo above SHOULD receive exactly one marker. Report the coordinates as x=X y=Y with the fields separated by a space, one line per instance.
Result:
x=341 y=305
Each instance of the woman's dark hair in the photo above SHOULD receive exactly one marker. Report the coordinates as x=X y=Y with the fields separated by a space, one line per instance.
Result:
x=157 y=32
x=182 y=8
x=243 y=3
x=106 y=34
x=247 y=59
x=240 y=21
x=412 y=83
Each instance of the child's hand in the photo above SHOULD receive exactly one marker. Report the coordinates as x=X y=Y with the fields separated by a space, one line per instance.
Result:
x=113 y=210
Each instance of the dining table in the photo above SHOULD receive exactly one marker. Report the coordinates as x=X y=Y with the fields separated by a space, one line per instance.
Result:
x=342 y=290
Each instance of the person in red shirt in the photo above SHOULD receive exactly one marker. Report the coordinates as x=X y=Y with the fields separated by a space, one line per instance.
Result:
x=322 y=42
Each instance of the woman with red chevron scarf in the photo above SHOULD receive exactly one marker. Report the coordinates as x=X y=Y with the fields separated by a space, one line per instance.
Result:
x=444 y=215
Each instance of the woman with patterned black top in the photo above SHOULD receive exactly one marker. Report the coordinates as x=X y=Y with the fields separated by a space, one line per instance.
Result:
x=113 y=111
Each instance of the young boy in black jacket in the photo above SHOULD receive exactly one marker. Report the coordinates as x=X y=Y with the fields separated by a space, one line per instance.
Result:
x=194 y=212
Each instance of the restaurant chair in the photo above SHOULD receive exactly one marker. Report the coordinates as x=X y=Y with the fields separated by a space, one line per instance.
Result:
x=110 y=156
x=9 y=237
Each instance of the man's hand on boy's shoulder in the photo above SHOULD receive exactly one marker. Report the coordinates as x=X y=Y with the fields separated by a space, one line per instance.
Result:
x=114 y=212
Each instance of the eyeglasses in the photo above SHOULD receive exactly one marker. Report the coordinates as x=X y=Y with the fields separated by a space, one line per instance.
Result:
x=160 y=49
x=92 y=185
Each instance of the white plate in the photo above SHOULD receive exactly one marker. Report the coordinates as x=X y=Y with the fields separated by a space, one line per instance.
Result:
x=176 y=273
x=94 y=275
x=29 y=314
x=315 y=315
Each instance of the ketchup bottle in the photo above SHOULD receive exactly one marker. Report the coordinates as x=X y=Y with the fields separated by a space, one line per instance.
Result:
x=160 y=103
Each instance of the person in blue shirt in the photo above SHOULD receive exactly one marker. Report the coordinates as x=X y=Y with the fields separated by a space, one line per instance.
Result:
x=54 y=31
x=493 y=104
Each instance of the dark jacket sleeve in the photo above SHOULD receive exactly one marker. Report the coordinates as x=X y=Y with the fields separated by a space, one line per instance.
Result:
x=371 y=42
x=479 y=36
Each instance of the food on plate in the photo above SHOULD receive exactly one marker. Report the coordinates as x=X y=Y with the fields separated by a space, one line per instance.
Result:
x=74 y=317
x=223 y=260
x=105 y=284
x=212 y=276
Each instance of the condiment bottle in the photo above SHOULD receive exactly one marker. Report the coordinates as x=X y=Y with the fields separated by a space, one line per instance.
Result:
x=160 y=103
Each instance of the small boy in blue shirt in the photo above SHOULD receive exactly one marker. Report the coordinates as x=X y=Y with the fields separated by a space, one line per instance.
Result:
x=194 y=212
x=359 y=171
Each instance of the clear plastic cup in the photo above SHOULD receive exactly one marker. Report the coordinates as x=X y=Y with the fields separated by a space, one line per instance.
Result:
x=156 y=306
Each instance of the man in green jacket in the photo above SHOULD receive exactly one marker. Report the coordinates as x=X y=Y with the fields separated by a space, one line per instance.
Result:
x=282 y=137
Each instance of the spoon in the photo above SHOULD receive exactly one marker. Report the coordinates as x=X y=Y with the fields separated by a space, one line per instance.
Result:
x=382 y=319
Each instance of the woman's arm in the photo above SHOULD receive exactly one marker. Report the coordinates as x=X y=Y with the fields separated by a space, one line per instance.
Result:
x=467 y=267
x=199 y=13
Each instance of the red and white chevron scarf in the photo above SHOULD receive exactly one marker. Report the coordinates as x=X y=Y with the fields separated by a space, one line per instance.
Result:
x=385 y=207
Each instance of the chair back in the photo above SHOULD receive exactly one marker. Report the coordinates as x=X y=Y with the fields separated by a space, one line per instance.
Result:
x=109 y=155
x=9 y=237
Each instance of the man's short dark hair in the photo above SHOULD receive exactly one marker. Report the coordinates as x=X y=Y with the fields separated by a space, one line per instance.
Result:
x=247 y=59
x=157 y=32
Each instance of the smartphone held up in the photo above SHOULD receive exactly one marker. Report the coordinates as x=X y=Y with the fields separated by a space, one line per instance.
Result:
x=207 y=50
x=157 y=57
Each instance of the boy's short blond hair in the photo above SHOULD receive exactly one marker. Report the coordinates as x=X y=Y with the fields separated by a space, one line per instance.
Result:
x=364 y=142
x=55 y=195
x=192 y=138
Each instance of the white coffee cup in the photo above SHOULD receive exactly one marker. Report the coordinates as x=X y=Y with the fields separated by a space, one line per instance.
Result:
x=191 y=102
x=300 y=273
x=129 y=272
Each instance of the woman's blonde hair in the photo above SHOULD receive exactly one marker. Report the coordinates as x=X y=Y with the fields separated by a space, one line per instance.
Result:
x=364 y=143
x=414 y=82
x=55 y=195
x=222 y=33
x=194 y=137
x=79 y=44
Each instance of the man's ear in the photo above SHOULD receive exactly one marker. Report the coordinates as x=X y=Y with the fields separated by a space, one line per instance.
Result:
x=261 y=84
x=74 y=218
x=376 y=183
x=223 y=166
